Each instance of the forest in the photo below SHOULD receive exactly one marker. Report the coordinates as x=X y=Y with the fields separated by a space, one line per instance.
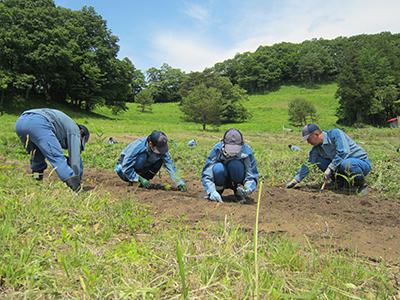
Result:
x=58 y=56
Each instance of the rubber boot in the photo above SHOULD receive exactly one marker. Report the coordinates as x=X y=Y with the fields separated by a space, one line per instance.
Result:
x=74 y=183
x=337 y=183
x=38 y=175
x=361 y=185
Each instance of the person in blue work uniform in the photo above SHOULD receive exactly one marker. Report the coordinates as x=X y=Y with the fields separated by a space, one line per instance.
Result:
x=45 y=132
x=335 y=154
x=112 y=141
x=143 y=158
x=230 y=163
x=294 y=148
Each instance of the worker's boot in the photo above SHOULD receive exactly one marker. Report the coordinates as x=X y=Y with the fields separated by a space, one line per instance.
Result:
x=74 y=183
x=38 y=175
x=361 y=185
x=337 y=182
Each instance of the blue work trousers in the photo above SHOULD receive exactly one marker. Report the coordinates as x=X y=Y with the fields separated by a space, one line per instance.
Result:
x=147 y=172
x=230 y=175
x=36 y=134
x=348 y=167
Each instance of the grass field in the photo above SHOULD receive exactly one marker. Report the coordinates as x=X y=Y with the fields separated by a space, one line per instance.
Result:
x=51 y=246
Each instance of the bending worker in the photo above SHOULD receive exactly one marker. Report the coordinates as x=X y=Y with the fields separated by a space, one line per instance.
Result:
x=337 y=155
x=230 y=163
x=142 y=159
x=45 y=132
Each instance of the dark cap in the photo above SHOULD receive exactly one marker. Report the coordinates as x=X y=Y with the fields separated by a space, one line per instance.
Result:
x=233 y=140
x=307 y=130
x=160 y=140
x=85 y=134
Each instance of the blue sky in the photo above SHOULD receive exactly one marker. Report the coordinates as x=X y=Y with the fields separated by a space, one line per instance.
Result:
x=194 y=34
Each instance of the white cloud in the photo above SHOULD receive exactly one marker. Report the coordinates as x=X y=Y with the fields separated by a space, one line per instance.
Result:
x=197 y=12
x=276 y=22
x=187 y=53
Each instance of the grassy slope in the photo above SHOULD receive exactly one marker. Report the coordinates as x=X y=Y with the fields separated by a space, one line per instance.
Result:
x=269 y=112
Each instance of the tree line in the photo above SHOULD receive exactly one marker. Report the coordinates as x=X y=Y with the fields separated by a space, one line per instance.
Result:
x=62 y=56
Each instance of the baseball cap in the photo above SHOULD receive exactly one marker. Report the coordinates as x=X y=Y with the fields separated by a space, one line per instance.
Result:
x=233 y=140
x=85 y=135
x=307 y=130
x=160 y=140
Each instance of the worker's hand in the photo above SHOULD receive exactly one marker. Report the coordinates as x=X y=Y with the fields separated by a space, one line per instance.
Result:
x=215 y=196
x=291 y=184
x=327 y=174
x=182 y=187
x=242 y=192
x=144 y=182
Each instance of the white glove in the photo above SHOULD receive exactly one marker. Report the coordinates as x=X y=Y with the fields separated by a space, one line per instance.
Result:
x=327 y=174
x=242 y=192
x=215 y=196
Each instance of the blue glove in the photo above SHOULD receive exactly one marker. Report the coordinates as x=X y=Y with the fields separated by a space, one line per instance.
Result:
x=215 y=196
x=243 y=192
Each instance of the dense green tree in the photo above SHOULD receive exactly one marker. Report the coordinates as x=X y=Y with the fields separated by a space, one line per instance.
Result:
x=145 y=100
x=203 y=105
x=311 y=66
x=302 y=111
x=356 y=89
x=232 y=95
x=164 y=83
x=62 y=55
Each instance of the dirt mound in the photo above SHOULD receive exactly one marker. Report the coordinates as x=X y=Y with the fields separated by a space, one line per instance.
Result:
x=365 y=225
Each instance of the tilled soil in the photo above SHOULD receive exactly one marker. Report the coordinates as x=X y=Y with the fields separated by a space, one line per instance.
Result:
x=340 y=221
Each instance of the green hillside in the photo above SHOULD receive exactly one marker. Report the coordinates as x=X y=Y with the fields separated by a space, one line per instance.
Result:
x=269 y=112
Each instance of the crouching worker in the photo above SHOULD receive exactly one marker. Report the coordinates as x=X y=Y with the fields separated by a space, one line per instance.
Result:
x=45 y=132
x=231 y=163
x=142 y=159
x=337 y=155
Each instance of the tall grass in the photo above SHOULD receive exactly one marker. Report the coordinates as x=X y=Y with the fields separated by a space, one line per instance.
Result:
x=56 y=244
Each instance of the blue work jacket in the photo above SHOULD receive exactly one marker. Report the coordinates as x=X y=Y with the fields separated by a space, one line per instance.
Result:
x=67 y=134
x=127 y=161
x=336 y=147
x=216 y=155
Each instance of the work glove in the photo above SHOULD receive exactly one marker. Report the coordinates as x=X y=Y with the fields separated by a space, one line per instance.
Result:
x=291 y=184
x=215 y=196
x=182 y=187
x=144 y=182
x=327 y=174
x=242 y=192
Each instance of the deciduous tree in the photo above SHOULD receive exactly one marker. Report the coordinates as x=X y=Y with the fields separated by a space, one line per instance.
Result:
x=203 y=105
x=144 y=99
x=302 y=111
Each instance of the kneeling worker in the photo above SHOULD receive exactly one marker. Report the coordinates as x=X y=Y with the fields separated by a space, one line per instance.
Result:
x=230 y=163
x=337 y=155
x=142 y=159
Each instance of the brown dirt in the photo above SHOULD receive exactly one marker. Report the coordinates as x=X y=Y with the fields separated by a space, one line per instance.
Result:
x=368 y=226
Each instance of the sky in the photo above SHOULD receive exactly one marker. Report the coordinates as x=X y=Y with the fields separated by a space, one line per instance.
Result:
x=192 y=35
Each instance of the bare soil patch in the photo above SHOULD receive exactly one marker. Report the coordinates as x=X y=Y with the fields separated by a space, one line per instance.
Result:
x=368 y=226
